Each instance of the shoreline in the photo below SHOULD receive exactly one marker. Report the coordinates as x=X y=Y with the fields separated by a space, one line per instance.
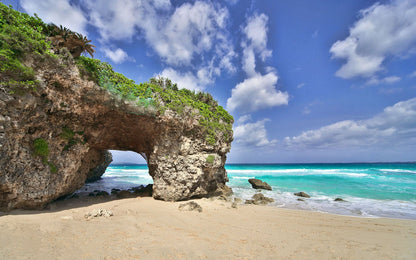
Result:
x=144 y=228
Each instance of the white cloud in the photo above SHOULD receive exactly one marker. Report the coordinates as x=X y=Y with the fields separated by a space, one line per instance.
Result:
x=252 y=134
x=117 y=56
x=255 y=43
x=382 y=31
x=243 y=119
x=413 y=74
x=256 y=33
x=191 y=36
x=386 y=80
x=187 y=79
x=177 y=35
x=396 y=124
x=59 y=12
x=257 y=93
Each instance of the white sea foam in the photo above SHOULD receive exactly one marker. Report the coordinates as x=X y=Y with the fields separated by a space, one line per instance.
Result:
x=242 y=178
x=397 y=170
x=299 y=172
x=352 y=206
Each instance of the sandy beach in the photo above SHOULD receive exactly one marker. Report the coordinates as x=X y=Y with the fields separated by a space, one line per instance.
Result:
x=144 y=228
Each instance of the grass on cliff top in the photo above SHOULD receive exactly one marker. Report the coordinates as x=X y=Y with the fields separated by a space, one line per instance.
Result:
x=20 y=34
x=162 y=94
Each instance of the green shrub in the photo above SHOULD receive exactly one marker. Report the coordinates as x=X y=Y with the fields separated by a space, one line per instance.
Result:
x=20 y=34
x=210 y=158
x=69 y=135
x=41 y=149
x=53 y=167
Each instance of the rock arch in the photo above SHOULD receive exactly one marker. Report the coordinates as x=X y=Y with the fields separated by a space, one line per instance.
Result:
x=52 y=139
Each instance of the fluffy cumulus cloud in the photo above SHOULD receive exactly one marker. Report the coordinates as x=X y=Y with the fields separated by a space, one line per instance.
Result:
x=252 y=134
x=189 y=36
x=59 y=12
x=383 y=30
x=188 y=79
x=396 y=124
x=258 y=91
x=117 y=56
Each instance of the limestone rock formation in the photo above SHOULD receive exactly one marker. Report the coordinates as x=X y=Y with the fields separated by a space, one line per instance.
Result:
x=96 y=173
x=55 y=130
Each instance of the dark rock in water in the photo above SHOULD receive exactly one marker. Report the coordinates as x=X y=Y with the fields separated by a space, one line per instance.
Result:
x=125 y=194
x=302 y=194
x=301 y=200
x=339 y=199
x=136 y=188
x=190 y=206
x=102 y=193
x=91 y=194
x=144 y=191
x=115 y=191
x=258 y=184
x=259 y=199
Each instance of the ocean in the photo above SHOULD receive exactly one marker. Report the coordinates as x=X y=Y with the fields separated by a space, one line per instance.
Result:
x=369 y=189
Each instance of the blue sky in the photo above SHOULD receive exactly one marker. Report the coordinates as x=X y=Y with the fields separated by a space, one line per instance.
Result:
x=306 y=81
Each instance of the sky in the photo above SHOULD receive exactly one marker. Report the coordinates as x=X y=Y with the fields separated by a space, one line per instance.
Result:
x=306 y=80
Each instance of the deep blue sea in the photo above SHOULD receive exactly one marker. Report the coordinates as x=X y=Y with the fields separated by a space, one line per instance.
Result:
x=370 y=190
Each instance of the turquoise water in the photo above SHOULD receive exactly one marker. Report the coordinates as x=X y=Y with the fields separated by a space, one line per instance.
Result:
x=371 y=190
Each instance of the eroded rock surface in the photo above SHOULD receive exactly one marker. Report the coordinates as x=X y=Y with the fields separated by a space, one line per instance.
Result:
x=259 y=184
x=76 y=121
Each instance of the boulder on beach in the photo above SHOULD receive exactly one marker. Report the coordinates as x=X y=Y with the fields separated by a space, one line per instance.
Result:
x=259 y=184
x=259 y=199
x=302 y=194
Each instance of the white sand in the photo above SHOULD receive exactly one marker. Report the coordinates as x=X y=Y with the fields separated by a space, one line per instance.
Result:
x=143 y=228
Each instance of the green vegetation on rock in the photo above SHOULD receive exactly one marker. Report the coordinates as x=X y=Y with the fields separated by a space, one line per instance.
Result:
x=161 y=94
x=210 y=158
x=41 y=149
x=20 y=34
x=23 y=37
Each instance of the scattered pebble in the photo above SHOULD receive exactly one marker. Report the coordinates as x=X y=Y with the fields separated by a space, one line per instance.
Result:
x=98 y=213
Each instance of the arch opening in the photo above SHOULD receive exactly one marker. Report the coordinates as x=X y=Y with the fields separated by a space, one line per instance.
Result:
x=126 y=176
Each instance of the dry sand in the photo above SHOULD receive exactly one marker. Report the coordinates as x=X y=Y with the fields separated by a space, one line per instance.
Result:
x=143 y=228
